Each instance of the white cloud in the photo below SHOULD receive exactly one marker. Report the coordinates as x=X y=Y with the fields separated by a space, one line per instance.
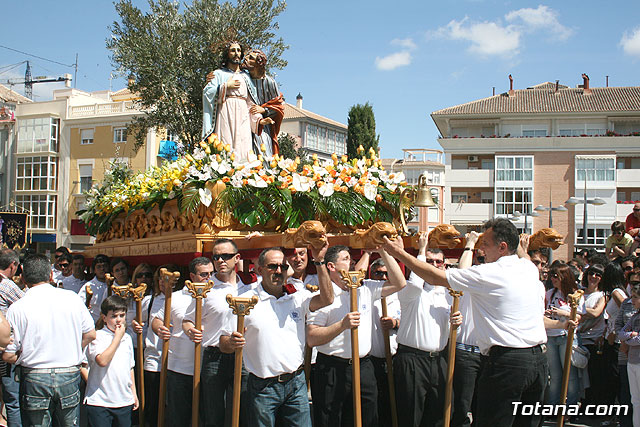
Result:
x=630 y=42
x=542 y=18
x=487 y=38
x=393 y=61
x=404 y=43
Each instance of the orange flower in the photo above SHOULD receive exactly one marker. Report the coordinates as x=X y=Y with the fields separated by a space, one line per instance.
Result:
x=344 y=189
x=226 y=179
x=378 y=198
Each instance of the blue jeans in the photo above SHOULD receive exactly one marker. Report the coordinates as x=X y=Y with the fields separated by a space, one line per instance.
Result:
x=556 y=347
x=216 y=388
x=99 y=416
x=268 y=398
x=45 y=397
x=10 y=395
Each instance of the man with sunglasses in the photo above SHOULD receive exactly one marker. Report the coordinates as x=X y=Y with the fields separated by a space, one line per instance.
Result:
x=76 y=279
x=329 y=330
x=632 y=223
x=217 y=364
x=626 y=311
x=64 y=266
x=507 y=306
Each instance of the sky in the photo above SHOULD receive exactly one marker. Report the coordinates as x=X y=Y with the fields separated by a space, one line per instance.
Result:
x=407 y=59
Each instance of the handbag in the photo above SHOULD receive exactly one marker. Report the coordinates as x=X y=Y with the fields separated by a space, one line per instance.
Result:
x=579 y=356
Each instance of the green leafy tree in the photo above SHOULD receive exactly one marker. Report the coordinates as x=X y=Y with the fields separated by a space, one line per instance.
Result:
x=170 y=49
x=361 y=129
x=287 y=146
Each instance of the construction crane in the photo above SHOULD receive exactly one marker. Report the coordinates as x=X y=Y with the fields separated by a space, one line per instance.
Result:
x=28 y=82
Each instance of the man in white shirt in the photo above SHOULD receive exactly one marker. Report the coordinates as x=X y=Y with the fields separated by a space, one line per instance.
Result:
x=297 y=274
x=274 y=342
x=329 y=330
x=507 y=302
x=217 y=364
x=98 y=285
x=50 y=328
x=75 y=281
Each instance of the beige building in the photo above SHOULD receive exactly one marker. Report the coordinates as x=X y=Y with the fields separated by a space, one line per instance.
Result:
x=540 y=146
x=317 y=134
x=417 y=162
x=63 y=147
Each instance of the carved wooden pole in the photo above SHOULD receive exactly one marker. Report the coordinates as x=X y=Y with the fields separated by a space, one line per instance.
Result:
x=138 y=294
x=241 y=308
x=308 y=351
x=448 y=391
x=199 y=292
x=353 y=279
x=121 y=290
x=109 y=279
x=88 y=295
x=574 y=300
x=167 y=279
x=387 y=353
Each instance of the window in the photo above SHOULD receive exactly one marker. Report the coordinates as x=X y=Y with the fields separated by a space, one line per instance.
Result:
x=514 y=168
x=534 y=133
x=458 y=197
x=596 y=236
x=590 y=129
x=86 y=136
x=621 y=196
x=486 y=197
x=341 y=145
x=42 y=210
x=509 y=200
x=38 y=135
x=311 y=137
x=487 y=164
x=595 y=168
x=119 y=135
x=86 y=177
x=36 y=173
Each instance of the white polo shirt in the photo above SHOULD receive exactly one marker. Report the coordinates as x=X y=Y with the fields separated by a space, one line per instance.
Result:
x=110 y=386
x=466 y=331
x=131 y=316
x=72 y=283
x=275 y=335
x=99 y=294
x=217 y=316
x=153 y=343
x=340 y=346
x=425 y=315
x=507 y=302
x=377 y=340
x=181 y=348
x=301 y=285
x=48 y=324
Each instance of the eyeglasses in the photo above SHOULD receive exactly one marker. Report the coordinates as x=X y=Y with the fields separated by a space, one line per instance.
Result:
x=595 y=273
x=205 y=274
x=379 y=274
x=144 y=274
x=636 y=209
x=480 y=259
x=275 y=267
x=64 y=265
x=627 y=268
x=555 y=275
x=435 y=261
x=223 y=257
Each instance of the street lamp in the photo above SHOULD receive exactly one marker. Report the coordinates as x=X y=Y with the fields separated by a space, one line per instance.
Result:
x=572 y=201
x=550 y=208
x=516 y=215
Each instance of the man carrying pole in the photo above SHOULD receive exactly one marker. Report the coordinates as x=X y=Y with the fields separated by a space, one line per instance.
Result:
x=274 y=342
x=574 y=301
x=329 y=329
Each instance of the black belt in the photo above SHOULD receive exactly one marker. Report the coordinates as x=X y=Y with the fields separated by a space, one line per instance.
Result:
x=283 y=378
x=407 y=349
x=497 y=350
x=213 y=349
x=338 y=360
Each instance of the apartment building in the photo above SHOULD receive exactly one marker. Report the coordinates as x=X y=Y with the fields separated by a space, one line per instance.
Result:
x=539 y=146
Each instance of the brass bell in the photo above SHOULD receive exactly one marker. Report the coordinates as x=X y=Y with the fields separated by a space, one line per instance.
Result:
x=422 y=196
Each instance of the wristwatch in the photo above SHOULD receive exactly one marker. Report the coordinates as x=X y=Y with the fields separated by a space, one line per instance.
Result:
x=318 y=262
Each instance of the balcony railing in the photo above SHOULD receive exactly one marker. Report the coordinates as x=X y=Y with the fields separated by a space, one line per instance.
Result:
x=107 y=109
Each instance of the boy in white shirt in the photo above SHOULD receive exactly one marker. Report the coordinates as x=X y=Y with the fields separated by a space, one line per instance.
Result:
x=111 y=392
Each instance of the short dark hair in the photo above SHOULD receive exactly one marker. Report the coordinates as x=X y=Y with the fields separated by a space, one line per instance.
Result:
x=113 y=303
x=435 y=251
x=263 y=255
x=596 y=268
x=225 y=52
x=36 y=269
x=201 y=260
x=8 y=257
x=62 y=249
x=332 y=253
x=66 y=257
x=542 y=251
x=78 y=256
x=100 y=258
x=617 y=226
x=117 y=260
x=504 y=231
x=225 y=240
x=377 y=263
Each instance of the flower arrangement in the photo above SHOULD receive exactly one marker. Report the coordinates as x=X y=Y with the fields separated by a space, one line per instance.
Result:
x=259 y=191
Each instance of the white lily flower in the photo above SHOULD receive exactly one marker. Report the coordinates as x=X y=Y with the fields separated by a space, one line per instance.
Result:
x=301 y=183
x=257 y=182
x=370 y=191
x=205 y=196
x=326 y=190
x=319 y=171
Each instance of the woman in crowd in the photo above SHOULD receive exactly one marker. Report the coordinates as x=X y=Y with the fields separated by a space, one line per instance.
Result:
x=591 y=331
x=557 y=308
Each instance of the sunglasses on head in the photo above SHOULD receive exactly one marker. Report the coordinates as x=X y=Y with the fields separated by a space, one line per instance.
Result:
x=223 y=257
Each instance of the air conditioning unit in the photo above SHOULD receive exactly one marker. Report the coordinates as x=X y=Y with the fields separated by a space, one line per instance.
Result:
x=472 y=158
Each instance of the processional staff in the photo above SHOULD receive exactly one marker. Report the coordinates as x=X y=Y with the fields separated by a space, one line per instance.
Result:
x=109 y=279
x=138 y=294
x=199 y=292
x=167 y=279
x=574 y=300
x=390 y=380
x=353 y=280
x=453 y=333
x=241 y=308
x=88 y=295
x=308 y=352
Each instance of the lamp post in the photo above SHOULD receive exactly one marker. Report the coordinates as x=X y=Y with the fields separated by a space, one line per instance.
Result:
x=550 y=209
x=572 y=201
x=516 y=215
